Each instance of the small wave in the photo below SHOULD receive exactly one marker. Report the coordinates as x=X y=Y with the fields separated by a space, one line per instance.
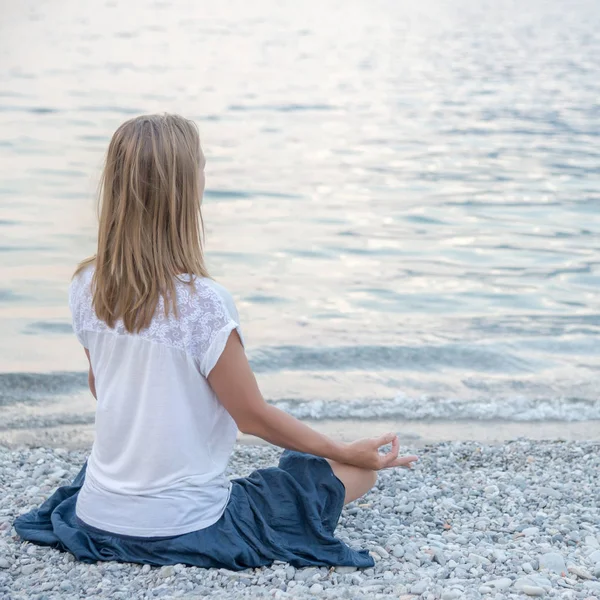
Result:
x=9 y=295
x=217 y=194
x=516 y=408
x=33 y=387
x=36 y=422
x=376 y=358
x=280 y=107
x=55 y=327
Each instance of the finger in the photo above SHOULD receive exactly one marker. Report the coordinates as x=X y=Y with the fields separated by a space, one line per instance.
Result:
x=392 y=455
x=405 y=461
x=385 y=439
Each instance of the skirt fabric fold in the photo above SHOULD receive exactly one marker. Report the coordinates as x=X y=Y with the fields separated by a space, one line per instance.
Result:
x=287 y=513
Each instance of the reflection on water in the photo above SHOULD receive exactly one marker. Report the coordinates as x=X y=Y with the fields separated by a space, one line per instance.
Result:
x=404 y=200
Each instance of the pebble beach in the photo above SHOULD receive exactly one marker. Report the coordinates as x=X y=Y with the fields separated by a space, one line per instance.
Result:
x=510 y=521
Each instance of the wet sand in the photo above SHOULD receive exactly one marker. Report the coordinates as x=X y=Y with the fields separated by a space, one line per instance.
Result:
x=413 y=434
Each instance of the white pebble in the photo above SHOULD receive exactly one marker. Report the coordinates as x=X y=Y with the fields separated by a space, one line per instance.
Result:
x=479 y=560
x=553 y=561
x=345 y=570
x=418 y=588
x=500 y=584
x=580 y=572
x=28 y=569
x=167 y=571
x=533 y=590
x=491 y=490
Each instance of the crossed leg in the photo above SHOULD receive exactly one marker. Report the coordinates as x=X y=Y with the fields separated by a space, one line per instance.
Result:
x=357 y=481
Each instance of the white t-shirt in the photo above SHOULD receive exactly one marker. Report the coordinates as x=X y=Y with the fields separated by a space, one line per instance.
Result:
x=163 y=440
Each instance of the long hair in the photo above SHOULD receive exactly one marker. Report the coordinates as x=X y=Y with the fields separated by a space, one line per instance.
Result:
x=150 y=224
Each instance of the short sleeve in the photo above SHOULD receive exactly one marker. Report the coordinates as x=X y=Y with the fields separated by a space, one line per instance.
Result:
x=75 y=304
x=214 y=320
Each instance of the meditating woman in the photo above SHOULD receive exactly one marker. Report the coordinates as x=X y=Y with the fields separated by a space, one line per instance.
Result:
x=173 y=386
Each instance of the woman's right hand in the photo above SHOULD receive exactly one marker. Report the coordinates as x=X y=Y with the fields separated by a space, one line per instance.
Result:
x=365 y=453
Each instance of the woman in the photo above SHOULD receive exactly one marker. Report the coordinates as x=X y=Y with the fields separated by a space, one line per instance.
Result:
x=173 y=385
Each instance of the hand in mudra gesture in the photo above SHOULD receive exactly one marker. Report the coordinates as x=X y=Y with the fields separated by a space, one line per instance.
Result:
x=365 y=453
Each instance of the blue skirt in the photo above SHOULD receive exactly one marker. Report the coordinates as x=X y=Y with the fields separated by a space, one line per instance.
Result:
x=287 y=513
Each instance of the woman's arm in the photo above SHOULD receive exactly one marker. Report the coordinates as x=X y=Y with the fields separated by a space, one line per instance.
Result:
x=234 y=383
x=91 y=378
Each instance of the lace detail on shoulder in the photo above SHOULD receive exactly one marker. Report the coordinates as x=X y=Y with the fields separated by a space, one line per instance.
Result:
x=202 y=317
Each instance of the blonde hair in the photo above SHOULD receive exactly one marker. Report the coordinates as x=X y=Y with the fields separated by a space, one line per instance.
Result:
x=150 y=224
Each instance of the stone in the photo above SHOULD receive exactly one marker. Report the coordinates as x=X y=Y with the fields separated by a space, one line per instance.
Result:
x=316 y=588
x=167 y=571
x=398 y=551
x=345 y=570
x=28 y=569
x=533 y=590
x=38 y=472
x=531 y=531
x=527 y=567
x=477 y=559
x=532 y=581
x=553 y=561
x=381 y=551
x=580 y=572
x=590 y=540
x=499 y=555
x=594 y=556
x=484 y=589
x=548 y=491
x=305 y=574
x=592 y=585
x=406 y=508
x=146 y=569
x=499 y=584
x=451 y=595
x=290 y=572
x=4 y=564
x=418 y=588
x=491 y=490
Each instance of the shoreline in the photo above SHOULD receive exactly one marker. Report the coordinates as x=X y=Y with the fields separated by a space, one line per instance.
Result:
x=413 y=434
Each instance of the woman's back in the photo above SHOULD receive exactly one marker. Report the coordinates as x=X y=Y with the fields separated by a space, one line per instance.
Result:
x=162 y=437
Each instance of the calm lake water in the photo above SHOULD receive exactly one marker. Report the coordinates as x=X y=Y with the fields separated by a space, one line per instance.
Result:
x=403 y=198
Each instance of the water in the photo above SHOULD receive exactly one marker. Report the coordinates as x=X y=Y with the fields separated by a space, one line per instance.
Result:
x=403 y=198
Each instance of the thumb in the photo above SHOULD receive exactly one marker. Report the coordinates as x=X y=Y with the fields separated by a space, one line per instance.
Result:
x=387 y=438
